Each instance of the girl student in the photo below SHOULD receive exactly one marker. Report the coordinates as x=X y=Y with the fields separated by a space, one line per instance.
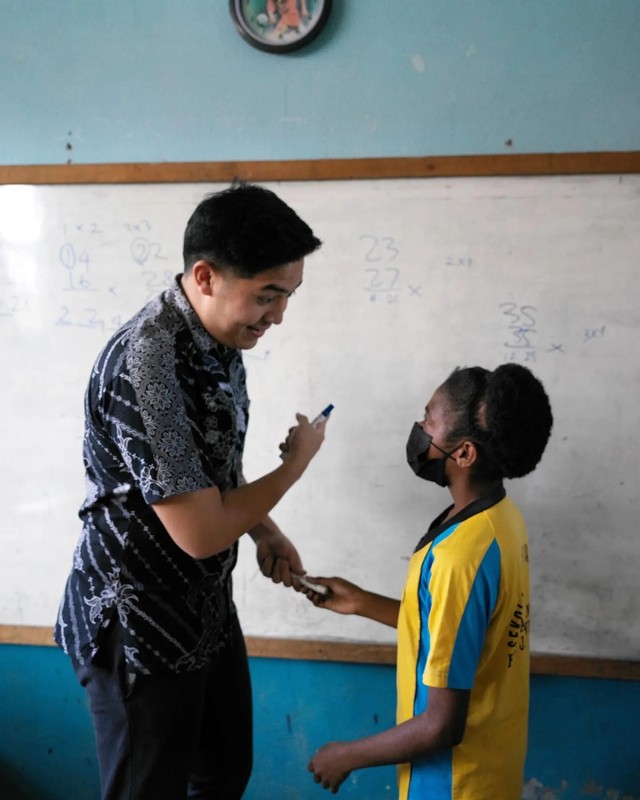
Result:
x=463 y=621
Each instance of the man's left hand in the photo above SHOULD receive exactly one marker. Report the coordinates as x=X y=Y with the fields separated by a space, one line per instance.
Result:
x=277 y=558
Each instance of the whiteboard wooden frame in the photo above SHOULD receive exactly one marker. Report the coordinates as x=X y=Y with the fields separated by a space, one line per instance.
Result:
x=328 y=169
x=339 y=169
x=362 y=653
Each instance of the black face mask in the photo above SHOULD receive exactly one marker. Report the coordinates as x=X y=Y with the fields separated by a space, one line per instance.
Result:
x=417 y=448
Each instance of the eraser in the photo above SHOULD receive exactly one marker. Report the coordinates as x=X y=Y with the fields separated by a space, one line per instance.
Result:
x=315 y=587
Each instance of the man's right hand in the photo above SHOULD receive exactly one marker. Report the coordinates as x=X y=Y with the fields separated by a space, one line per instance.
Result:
x=303 y=442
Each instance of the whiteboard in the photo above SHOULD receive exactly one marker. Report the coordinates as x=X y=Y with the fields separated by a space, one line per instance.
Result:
x=415 y=277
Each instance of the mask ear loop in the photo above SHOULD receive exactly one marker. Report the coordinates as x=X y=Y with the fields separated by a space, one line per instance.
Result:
x=449 y=454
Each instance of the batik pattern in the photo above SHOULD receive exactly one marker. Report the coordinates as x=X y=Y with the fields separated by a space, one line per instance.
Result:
x=166 y=412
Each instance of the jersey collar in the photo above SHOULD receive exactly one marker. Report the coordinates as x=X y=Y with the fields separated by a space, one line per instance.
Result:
x=439 y=525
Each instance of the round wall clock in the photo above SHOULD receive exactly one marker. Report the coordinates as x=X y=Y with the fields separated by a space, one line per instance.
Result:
x=280 y=26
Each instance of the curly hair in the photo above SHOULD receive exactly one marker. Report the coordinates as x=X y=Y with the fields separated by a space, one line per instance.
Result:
x=506 y=413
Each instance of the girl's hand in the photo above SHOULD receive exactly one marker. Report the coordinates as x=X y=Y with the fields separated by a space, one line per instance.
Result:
x=343 y=597
x=330 y=765
x=347 y=598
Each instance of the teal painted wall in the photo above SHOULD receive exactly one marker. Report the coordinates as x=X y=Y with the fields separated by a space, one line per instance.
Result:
x=160 y=80
x=584 y=733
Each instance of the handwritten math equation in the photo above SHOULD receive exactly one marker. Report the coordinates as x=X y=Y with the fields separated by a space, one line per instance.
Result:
x=382 y=276
x=88 y=297
x=522 y=341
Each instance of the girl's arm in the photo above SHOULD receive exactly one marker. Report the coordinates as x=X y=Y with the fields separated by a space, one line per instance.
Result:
x=439 y=727
x=344 y=597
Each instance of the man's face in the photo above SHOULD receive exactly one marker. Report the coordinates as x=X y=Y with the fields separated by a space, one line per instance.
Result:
x=241 y=310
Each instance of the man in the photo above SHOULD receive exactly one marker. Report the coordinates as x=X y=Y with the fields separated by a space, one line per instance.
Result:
x=147 y=616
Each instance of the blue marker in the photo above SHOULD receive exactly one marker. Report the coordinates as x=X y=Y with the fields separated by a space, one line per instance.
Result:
x=322 y=415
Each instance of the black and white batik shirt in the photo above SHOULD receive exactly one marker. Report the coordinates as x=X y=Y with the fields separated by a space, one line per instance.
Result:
x=166 y=412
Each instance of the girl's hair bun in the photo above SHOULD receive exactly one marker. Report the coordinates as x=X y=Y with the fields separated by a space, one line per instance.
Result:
x=506 y=412
x=516 y=415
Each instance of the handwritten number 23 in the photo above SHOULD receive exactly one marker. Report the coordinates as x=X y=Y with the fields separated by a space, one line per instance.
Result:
x=381 y=248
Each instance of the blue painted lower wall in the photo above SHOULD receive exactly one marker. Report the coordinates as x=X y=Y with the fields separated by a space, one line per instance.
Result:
x=584 y=733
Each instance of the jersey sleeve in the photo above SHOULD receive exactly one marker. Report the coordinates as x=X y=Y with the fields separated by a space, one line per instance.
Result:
x=461 y=590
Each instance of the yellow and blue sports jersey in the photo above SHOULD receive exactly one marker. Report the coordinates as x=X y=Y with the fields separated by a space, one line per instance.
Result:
x=464 y=624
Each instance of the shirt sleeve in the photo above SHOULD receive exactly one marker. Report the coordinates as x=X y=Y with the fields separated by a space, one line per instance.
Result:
x=462 y=590
x=147 y=416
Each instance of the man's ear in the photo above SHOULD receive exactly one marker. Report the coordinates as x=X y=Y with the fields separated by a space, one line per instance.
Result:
x=466 y=455
x=205 y=277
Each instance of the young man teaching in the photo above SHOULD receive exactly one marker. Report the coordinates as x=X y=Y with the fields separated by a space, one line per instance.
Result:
x=147 y=616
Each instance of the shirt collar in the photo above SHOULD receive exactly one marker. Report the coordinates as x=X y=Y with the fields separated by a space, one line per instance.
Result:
x=176 y=297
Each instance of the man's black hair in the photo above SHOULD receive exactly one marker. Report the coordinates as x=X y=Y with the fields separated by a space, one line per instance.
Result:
x=506 y=412
x=246 y=229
